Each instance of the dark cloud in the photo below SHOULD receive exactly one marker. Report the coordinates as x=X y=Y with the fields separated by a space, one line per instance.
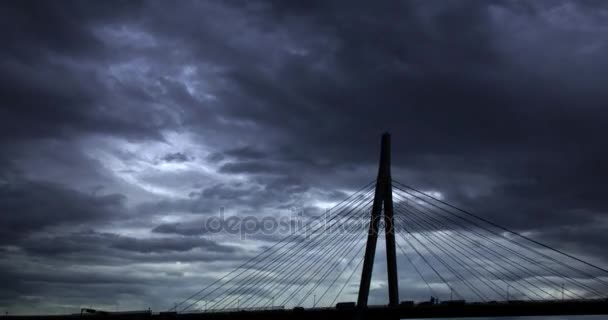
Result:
x=176 y=157
x=177 y=228
x=52 y=81
x=33 y=206
x=93 y=241
x=246 y=153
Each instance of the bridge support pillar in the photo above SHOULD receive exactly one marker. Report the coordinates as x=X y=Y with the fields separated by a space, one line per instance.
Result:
x=383 y=199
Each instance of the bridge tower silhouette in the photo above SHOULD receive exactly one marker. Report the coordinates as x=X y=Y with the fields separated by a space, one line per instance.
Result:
x=382 y=207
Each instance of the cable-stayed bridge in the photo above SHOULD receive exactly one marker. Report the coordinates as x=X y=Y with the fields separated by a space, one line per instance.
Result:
x=469 y=266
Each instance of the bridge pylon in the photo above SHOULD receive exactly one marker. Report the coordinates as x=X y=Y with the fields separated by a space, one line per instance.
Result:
x=382 y=207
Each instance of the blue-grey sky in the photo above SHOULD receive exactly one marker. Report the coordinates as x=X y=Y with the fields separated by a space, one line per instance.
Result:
x=125 y=124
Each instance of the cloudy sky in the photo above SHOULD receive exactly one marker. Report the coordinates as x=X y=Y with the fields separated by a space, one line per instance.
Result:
x=124 y=124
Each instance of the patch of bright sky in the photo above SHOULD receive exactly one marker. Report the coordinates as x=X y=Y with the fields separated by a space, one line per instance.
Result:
x=405 y=197
x=313 y=199
x=191 y=77
x=132 y=161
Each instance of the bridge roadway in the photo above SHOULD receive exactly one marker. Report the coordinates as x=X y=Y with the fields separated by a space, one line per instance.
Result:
x=422 y=311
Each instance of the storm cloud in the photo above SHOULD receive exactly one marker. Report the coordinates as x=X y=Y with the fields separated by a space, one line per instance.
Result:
x=124 y=124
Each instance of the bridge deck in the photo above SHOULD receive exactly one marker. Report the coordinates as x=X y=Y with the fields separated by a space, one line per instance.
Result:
x=512 y=309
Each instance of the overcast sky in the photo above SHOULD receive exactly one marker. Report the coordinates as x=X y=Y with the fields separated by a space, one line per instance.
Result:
x=125 y=124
